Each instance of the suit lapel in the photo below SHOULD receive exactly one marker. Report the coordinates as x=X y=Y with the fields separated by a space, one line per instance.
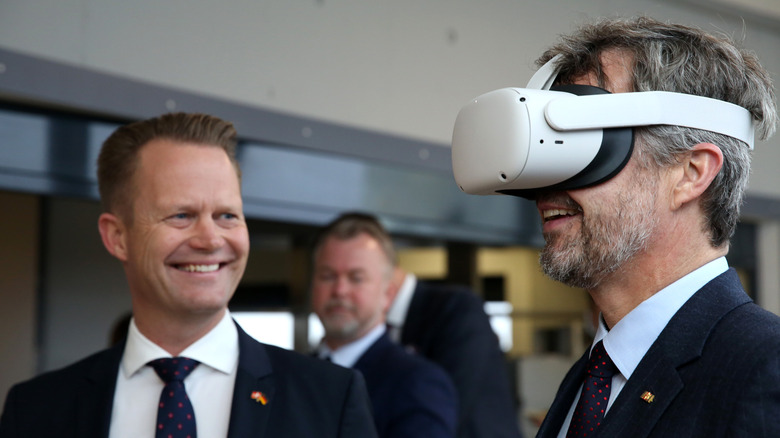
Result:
x=254 y=391
x=371 y=363
x=681 y=342
x=373 y=354
x=634 y=413
x=96 y=399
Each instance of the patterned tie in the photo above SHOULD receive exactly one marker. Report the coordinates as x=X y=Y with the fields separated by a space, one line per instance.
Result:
x=595 y=394
x=175 y=417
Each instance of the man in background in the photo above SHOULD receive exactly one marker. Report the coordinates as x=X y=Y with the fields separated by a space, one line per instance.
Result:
x=351 y=291
x=173 y=216
x=448 y=325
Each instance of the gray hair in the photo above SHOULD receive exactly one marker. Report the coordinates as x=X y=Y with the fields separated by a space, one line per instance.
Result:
x=683 y=59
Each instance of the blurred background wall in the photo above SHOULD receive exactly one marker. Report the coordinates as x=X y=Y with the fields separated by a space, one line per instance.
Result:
x=385 y=78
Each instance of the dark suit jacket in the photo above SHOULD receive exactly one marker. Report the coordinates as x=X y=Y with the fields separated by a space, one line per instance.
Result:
x=411 y=396
x=714 y=370
x=306 y=398
x=448 y=325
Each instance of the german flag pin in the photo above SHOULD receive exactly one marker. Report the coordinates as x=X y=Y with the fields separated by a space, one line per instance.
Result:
x=648 y=397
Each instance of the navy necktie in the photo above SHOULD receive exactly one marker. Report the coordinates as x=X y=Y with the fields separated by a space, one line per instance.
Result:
x=175 y=416
x=595 y=394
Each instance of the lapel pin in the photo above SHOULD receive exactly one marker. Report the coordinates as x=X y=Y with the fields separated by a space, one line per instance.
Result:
x=259 y=397
x=648 y=396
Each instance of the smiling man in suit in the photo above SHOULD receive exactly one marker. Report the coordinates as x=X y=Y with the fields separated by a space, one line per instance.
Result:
x=351 y=291
x=681 y=350
x=173 y=216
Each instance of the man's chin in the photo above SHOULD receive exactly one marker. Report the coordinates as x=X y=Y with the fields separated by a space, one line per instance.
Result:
x=571 y=277
x=340 y=329
x=561 y=268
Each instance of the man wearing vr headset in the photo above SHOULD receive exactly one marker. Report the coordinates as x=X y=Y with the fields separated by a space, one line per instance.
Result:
x=682 y=349
x=693 y=355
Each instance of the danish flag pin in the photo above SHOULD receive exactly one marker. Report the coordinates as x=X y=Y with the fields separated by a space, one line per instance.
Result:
x=259 y=397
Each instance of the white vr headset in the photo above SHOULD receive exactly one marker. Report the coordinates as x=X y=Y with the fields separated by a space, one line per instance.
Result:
x=518 y=141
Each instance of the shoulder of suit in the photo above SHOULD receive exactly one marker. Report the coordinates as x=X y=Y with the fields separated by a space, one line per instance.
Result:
x=285 y=360
x=755 y=323
x=401 y=361
x=72 y=374
x=455 y=296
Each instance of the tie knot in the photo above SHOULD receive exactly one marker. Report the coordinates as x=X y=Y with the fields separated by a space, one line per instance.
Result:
x=600 y=364
x=173 y=368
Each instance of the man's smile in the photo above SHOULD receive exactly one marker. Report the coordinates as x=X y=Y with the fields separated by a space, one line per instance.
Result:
x=199 y=268
x=555 y=213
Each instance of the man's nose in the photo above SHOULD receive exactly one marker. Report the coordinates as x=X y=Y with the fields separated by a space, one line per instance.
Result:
x=341 y=286
x=207 y=235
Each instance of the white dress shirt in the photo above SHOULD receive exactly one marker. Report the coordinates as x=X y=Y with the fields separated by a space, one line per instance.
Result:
x=348 y=354
x=209 y=386
x=399 y=308
x=628 y=342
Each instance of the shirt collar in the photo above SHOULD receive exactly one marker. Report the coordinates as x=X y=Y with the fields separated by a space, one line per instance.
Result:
x=632 y=336
x=218 y=349
x=400 y=306
x=348 y=354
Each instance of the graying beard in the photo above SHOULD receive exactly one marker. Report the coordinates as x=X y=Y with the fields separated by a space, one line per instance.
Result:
x=597 y=259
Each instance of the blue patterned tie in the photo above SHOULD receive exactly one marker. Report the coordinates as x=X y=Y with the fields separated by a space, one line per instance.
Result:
x=595 y=394
x=175 y=416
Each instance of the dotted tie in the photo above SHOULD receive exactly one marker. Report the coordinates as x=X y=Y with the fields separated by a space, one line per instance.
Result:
x=595 y=394
x=175 y=416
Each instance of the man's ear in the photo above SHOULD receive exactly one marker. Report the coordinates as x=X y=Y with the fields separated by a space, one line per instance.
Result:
x=698 y=169
x=113 y=233
x=393 y=285
x=396 y=281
